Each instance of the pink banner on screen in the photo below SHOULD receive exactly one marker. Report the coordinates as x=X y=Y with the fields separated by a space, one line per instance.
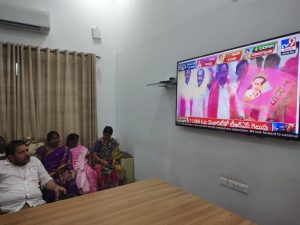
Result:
x=269 y=95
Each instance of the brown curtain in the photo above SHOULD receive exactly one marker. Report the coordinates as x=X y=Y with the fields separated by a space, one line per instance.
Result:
x=55 y=91
x=8 y=95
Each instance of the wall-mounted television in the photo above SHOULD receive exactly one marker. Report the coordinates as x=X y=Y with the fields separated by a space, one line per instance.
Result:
x=251 y=89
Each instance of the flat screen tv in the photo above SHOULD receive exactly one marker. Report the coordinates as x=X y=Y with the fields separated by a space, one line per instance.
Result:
x=251 y=89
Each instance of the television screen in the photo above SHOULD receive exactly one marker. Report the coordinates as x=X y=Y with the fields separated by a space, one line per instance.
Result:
x=252 y=89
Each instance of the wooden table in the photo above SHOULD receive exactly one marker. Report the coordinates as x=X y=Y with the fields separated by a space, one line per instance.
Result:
x=146 y=202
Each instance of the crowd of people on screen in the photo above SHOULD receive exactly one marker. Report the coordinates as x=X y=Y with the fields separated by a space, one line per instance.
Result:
x=256 y=89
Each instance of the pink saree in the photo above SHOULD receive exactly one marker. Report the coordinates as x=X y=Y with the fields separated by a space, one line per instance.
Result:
x=86 y=177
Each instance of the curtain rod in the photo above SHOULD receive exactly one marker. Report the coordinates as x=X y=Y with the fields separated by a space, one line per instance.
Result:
x=51 y=50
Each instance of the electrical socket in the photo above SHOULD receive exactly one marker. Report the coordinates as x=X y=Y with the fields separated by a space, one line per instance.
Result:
x=225 y=181
x=244 y=188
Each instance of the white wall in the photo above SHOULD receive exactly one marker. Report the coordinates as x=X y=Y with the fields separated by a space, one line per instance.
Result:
x=152 y=37
x=71 y=23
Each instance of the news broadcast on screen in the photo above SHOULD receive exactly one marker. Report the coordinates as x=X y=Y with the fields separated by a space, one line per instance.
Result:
x=253 y=89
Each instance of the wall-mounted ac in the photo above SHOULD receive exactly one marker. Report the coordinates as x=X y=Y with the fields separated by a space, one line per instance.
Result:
x=20 y=17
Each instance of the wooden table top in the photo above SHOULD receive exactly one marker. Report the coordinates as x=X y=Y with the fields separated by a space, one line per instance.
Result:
x=146 y=202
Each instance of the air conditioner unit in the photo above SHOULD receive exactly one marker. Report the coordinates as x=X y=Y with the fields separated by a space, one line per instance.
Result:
x=20 y=17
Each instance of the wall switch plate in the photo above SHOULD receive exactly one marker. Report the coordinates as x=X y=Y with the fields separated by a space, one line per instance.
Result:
x=96 y=32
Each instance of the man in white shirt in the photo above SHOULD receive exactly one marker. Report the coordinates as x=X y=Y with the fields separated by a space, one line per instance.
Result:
x=185 y=94
x=20 y=179
x=200 y=95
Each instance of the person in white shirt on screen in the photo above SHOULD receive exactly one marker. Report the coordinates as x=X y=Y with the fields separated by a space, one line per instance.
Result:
x=20 y=179
x=222 y=102
x=200 y=95
x=185 y=95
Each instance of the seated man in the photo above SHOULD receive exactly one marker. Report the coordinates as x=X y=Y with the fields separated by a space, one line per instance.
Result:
x=20 y=179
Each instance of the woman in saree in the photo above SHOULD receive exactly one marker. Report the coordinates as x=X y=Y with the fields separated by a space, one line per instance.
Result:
x=107 y=156
x=56 y=159
x=86 y=177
